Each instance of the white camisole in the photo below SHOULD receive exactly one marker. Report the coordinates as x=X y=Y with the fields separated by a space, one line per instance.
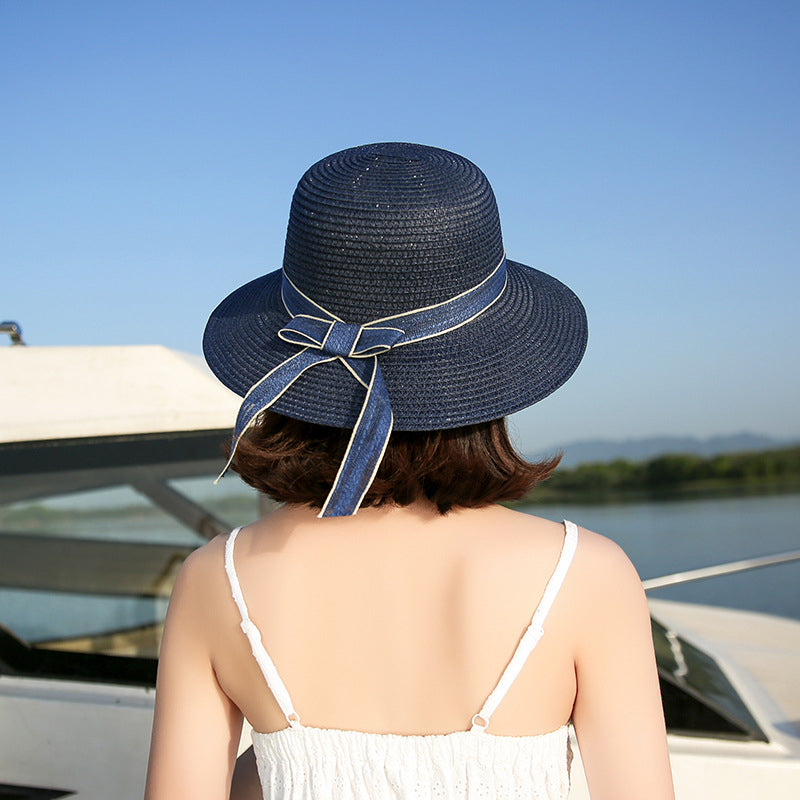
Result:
x=306 y=763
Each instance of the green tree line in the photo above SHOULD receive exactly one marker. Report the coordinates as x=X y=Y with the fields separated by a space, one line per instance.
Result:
x=676 y=473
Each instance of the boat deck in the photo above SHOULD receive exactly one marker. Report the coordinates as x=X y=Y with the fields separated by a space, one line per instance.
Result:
x=765 y=646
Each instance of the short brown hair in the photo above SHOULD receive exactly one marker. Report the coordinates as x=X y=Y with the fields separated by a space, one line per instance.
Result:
x=296 y=462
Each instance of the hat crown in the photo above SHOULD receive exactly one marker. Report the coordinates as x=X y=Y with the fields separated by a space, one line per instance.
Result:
x=385 y=228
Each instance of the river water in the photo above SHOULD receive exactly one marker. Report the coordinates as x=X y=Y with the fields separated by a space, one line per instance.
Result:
x=676 y=535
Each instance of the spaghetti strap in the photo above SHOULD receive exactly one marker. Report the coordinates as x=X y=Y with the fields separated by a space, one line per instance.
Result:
x=254 y=637
x=533 y=633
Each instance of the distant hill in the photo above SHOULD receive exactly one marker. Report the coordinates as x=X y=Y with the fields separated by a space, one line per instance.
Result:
x=601 y=450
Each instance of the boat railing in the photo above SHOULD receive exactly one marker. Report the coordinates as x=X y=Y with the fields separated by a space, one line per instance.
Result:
x=716 y=570
x=13 y=330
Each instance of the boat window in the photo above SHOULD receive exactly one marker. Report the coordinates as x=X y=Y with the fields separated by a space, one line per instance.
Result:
x=87 y=575
x=230 y=499
x=698 y=698
x=118 y=513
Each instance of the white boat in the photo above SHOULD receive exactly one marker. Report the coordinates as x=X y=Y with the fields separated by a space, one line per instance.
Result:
x=81 y=601
x=83 y=591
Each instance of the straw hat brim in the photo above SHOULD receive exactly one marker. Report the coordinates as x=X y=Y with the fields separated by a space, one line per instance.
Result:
x=517 y=352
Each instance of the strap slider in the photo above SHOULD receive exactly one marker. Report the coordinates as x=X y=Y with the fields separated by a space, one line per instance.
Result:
x=479 y=723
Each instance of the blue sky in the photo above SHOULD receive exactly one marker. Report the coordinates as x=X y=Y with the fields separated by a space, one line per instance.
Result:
x=644 y=153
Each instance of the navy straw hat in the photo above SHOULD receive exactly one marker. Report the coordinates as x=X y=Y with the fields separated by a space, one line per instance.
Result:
x=376 y=232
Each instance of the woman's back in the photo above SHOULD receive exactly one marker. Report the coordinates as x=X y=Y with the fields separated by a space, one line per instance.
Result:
x=397 y=621
x=401 y=621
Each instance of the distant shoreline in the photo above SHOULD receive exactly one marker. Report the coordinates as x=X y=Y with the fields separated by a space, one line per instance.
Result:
x=673 y=477
x=599 y=451
x=543 y=495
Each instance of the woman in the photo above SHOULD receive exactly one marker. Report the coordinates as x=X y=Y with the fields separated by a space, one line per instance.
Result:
x=401 y=651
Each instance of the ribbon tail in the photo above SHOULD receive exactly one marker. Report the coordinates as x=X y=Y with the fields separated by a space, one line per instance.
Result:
x=264 y=393
x=364 y=451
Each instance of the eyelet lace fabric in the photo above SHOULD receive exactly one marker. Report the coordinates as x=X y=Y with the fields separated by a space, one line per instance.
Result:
x=312 y=763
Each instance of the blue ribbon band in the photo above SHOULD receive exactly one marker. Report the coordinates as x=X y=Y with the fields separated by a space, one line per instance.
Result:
x=324 y=337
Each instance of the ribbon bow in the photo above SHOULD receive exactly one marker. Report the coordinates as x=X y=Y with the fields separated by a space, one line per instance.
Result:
x=323 y=337
x=339 y=339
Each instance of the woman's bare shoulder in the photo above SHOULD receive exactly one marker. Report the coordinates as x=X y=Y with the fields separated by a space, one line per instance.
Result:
x=601 y=579
x=202 y=573
x=600 y=562
x=209 y=556
x=605 y=593
x=507 y=525
x=594 y=550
